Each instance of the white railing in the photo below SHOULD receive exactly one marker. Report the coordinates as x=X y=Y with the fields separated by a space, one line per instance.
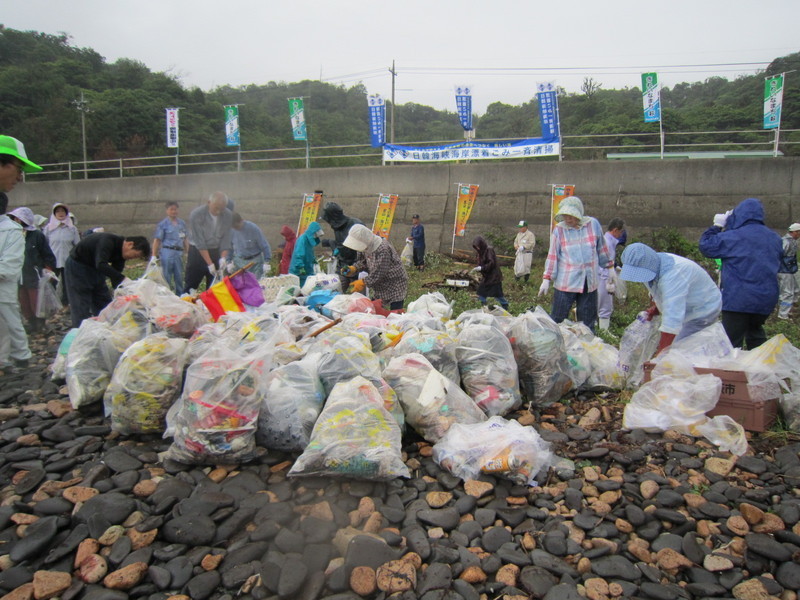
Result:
x=574 y=147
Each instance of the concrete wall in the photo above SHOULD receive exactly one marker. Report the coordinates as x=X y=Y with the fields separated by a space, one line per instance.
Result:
x=647 y=194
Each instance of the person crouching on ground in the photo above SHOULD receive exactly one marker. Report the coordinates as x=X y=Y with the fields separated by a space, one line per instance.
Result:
x=682 y=292
x=491 y=285
x=303 y=258
x=249 y=246
x=380 y=265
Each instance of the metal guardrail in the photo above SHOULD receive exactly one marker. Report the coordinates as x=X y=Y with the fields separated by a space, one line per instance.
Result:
x=572 y=148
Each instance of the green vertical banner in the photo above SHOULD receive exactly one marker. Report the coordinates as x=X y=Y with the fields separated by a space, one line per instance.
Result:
x=298 y=117
x=773 y=99
x=651 y=98
x=232 y=125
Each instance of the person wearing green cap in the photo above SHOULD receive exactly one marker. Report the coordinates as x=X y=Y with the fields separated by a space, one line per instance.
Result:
x=13 y=163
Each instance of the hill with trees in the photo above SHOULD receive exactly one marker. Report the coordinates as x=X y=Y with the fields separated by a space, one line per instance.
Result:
x=42 y=76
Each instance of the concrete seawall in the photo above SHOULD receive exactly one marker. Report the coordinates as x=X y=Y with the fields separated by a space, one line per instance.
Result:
x=647 y=194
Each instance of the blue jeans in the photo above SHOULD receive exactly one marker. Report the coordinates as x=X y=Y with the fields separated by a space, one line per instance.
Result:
x=585 y=306
x=172 y=268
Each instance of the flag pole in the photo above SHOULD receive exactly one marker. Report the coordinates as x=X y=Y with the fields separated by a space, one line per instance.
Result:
x=455 y=222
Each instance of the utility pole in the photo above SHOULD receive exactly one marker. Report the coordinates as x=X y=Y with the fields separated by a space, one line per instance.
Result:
x=83 y=106
x=391 y=114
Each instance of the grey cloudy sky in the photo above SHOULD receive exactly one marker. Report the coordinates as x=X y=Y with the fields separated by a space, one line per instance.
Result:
x=502 y=49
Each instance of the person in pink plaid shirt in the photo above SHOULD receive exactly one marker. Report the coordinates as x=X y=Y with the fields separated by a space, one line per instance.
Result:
x=577 y=250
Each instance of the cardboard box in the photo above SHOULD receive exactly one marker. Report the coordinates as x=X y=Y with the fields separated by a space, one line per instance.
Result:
x=735 y=400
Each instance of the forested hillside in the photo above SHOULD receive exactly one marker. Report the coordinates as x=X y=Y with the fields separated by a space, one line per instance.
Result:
x=42 y=75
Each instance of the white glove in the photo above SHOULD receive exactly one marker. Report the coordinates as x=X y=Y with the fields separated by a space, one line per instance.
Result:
x=476 y=269
x=153 y=261
x=212 y=269
x=722 y=218
x=230 y=267
x=611 y=287
x=267 y=268
x=223 y=262
x=362 y=274
x=612 y=276
x=544 y=288
x=50 y=274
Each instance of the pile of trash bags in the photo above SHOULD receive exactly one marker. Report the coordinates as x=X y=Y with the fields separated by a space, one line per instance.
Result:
x=339 y=384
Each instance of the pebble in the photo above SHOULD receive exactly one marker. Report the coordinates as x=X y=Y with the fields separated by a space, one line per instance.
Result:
x=86 y=513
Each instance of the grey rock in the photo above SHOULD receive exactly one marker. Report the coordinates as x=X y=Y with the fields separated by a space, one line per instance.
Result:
x=611 y=567
x=438 y=576
x=190 y=530
x=38 y=537
x=537 y=581
x=446 y=518
x=293 y=575
x=203 y=585
x=767 y=546
x=494 y=537
x=114 y=507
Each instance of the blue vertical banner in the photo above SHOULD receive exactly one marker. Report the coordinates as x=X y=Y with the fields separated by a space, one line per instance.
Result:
x=377 y=120
x=232 y=125
x=464 y=106
x=548 y=110
x=651 y=98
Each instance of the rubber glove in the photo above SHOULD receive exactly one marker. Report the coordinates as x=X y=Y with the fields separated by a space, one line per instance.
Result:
x=358 y=286
x=476 y=269
x=721 y=219
x=212 y=269
x=267 y=268
x=362 y=275
x=544 y=288
x=223 y=262
x=651 y=312
x=348 y=271
x=230 y=267
x=665 y=341
x=153 y=261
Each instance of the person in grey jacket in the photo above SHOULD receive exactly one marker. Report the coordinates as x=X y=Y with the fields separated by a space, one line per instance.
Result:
x=209 y=240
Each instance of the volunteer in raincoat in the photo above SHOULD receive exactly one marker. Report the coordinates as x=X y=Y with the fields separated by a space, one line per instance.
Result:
x=491 y=285
x=751 y=255
x=787 y=283
x=577 y=250
x=288 y=249
x=524 y=243
x=682 y=292
x=303 y=258
x=378 y=267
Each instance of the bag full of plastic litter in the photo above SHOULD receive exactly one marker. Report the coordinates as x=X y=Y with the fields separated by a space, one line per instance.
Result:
x=638 y=344
x=91 y=359
x=407 y=255
x=540 y=353
x=145 y=383
x=354 y=436
x=58 y=370
x=215 y=420
x=439 y=347
x=179 y=318
x=432 y=403
x=344 y=355
x=343 y=304
x=667 y=402
x=321 y=281
x=495 y=447
x=293 y=399
x=603 y=359
x=488 y=369
x=433 y=304
x=47 y=301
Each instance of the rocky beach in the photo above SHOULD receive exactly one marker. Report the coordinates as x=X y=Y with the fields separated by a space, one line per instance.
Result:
x=87 y=513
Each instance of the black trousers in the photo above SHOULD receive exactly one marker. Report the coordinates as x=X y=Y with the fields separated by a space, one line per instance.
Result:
x=419 y=256
x=197 y=269
x=744 y=328
x=87 y=291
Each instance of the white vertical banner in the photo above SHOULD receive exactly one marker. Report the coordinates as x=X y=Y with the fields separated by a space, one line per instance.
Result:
x=172 y=127
x=773 y=101
x=651 y=98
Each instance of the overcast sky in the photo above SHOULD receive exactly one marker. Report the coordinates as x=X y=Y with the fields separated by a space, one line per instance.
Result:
x=502 y=49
